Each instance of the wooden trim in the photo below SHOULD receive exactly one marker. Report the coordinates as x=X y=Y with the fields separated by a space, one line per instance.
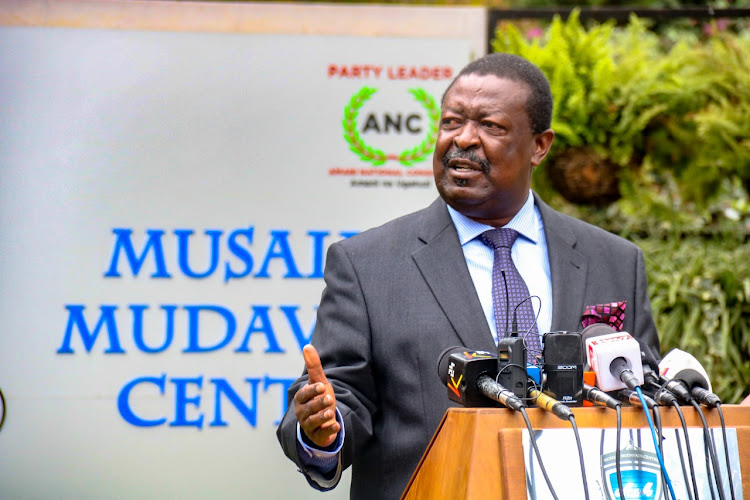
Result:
x=254 y=17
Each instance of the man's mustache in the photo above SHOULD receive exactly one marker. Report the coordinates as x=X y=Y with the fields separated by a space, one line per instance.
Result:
x=466 y=154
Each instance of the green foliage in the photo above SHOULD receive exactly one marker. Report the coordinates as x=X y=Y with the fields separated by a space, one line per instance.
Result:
x=700 y=297
x=715 y=134
x=670 y=112
x=610 y=84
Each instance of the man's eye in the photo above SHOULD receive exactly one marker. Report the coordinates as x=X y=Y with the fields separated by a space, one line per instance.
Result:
x=450 y=122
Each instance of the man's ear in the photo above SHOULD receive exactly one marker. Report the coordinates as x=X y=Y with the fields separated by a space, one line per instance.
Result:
x=542 y=144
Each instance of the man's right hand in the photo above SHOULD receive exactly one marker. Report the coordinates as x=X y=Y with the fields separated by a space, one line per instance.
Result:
x=315 y=403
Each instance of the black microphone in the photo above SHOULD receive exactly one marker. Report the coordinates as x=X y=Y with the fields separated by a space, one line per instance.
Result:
x=563 y=367
x=682 y=366
x=630 y=396
x=652 y=377
x=470 y=379
x=598 y=397
x=707 y=398
x=622 y=369
x=661 y=396
x=511 y=365
x=511 y=354
x=658 y=384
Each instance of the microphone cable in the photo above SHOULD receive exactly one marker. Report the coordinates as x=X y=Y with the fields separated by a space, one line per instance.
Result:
x=507 y=303
x=597 y=397
x=514 y=324
x=562 y=412
x=666 y=397
x=572 y=419
x=618 y=468
x=726 y=449
x=660 y=439
x=532 y=439
x=656 y=443
x=676 y=406
x=530 y=477
x=2 y=409
x=710 y=451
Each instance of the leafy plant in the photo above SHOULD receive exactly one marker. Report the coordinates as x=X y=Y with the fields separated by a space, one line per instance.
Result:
x=700 y=298
x=664 y=116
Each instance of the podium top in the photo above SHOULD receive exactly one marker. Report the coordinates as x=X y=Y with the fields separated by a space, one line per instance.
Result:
x=464 y=451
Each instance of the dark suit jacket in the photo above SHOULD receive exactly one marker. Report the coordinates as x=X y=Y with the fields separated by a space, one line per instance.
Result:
x=396 y=296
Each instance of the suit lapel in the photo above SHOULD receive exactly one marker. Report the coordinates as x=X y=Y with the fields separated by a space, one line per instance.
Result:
x=568 y=269
x=441 y=262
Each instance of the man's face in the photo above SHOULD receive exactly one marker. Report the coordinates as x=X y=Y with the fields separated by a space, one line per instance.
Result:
x=485 y=150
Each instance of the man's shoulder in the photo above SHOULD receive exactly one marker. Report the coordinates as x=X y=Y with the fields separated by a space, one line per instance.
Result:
x=580 y=231
x=403 y=228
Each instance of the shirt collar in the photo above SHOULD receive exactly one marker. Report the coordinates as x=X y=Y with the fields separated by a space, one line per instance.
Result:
x=524 y=222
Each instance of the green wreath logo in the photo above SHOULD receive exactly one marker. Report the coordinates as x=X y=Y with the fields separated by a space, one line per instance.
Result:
x=377 y=156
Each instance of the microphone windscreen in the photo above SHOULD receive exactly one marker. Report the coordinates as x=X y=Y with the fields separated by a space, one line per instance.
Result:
x=593 y=330
x=681 y=365
x=442 y=361
x=563 y=349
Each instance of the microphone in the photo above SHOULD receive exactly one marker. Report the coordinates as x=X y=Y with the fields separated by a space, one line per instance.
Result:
x=511 y=365
x=656 y=381
x=682 y=366
x=563 y=367
x=551 y=405
x=598 y=397
x=662 y=396
x=707 y=398
x=593 y=330
x=470 y=379
x=615 y=358
x=658 y=392
x=511 y=353
x=630 y=396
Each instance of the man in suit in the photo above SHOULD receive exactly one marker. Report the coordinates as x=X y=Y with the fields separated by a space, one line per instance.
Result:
x=396 y=296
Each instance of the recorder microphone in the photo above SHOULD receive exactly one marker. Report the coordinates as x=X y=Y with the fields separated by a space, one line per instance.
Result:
x=563 y=367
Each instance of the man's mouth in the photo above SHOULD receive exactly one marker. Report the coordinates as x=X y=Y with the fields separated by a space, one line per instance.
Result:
x=462 y=160
x=462 y=165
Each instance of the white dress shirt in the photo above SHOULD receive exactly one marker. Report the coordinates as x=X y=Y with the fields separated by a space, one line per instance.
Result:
x=529 y=254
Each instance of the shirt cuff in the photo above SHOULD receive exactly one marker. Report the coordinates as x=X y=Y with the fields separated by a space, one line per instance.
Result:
x=323 y=461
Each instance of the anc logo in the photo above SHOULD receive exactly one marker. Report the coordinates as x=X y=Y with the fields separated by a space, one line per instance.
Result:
x=377 y=156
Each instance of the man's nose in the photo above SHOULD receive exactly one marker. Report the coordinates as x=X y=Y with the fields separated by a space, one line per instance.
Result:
x=468 y=137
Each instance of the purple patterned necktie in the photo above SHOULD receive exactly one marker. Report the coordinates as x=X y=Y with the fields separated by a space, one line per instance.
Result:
x=514 y=288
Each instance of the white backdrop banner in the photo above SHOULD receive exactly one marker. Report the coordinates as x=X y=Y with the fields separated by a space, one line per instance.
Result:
x=166 y=202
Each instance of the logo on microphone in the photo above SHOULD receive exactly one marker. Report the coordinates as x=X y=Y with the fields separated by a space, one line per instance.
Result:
x=477 y=354
x=640 y=471
x=453 y=385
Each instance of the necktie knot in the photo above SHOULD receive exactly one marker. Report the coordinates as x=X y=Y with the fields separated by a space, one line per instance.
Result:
x=499 y=238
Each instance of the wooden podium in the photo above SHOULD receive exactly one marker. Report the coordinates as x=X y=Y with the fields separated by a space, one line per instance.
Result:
x=463 y=460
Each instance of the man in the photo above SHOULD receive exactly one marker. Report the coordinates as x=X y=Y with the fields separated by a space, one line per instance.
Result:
x=398 y=295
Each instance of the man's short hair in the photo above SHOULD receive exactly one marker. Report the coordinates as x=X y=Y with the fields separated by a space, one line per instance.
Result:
x=512 y=67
